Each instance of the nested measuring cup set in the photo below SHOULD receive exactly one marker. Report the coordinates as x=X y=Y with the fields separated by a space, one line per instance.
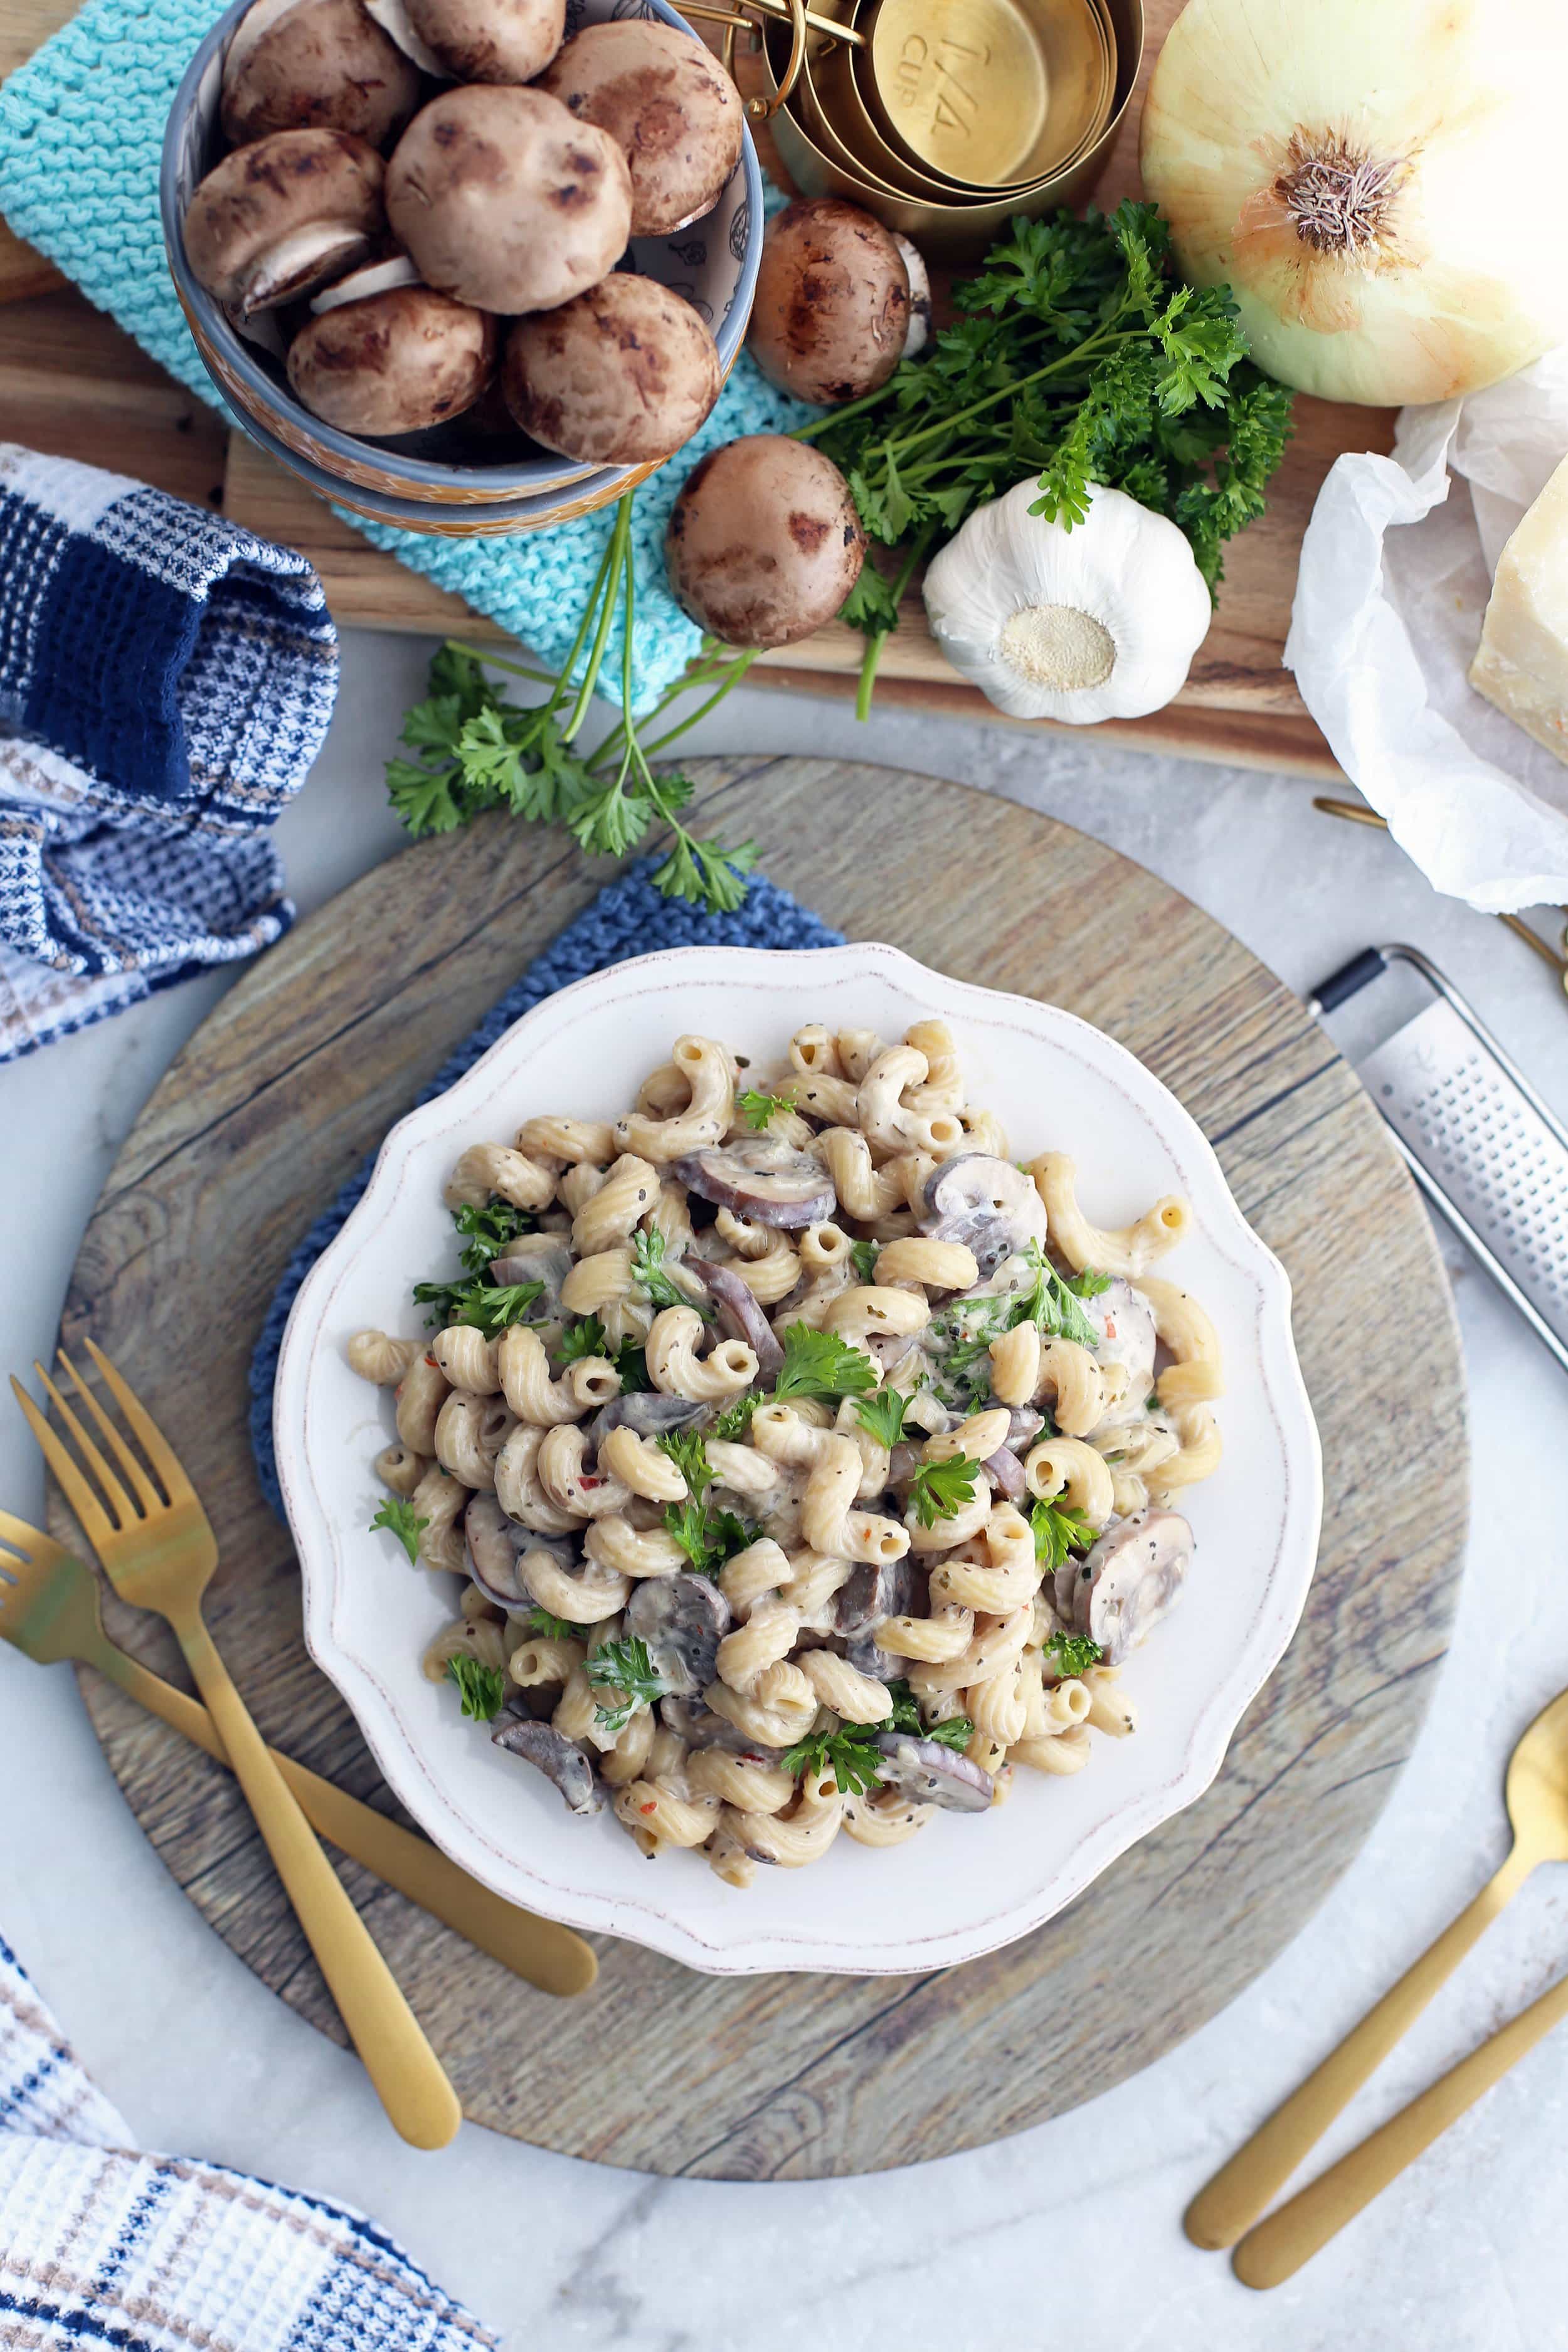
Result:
x=944 y=116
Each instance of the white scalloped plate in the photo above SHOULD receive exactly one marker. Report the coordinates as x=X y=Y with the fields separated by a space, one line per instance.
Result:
x=965 y=1886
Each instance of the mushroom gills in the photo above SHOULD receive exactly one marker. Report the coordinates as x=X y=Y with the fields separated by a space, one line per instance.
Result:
x=934 y=1774
x=297 y=263
x=765 y=1180
x=739 y=1313
x=1132 y=1578
x=559 y=1758
x=987 y=1203
x=392 y=15
x=682 y=1619
x=375 y=278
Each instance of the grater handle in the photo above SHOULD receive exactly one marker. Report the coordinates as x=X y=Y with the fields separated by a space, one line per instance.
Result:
x=1349 y=981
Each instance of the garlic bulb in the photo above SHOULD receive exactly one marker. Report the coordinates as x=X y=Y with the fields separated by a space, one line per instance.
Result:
x=1099 y=622
x=1377 y=180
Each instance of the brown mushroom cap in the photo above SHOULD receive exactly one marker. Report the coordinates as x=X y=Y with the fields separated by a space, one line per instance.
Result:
x=490 y=40
x=315 y=64
x=764 y=544
x=621 y=376
x=667 y=102
x=278 y=219
x=393 y=364
x=832 y=312
x=507 y=203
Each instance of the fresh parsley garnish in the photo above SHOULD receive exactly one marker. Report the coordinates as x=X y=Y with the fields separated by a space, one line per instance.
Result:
x=956 y=1731
x=690 y=1456
x=821 y=1364
x=707 y=1537
x=584 y=1338
x=553 y=1629
x=863 y=1259
x=852 y=1754
x=489 y=1307
x=627 y=1667
x=657 y=1287
x=477 y=751
x=483 y=1687
x=1053 y=1300
x=400 y=1519
x=1070 y=1653
x=938 y=1490
x=1058 y=1531
x=1077 y=357
x=490 y=1230
x=757 y=1107
x=736 y=1419
x=882 y=1416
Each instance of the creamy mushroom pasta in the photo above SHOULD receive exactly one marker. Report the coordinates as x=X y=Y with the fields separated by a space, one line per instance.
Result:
x=807 y=1459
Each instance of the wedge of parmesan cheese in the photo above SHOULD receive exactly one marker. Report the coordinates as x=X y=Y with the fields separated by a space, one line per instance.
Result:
x=1522 y=661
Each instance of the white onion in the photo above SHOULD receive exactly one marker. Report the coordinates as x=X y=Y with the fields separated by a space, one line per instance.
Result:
x=1377 y=179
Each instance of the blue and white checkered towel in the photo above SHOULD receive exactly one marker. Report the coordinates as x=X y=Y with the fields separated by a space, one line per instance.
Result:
x=165 y=683
x=102 y=2250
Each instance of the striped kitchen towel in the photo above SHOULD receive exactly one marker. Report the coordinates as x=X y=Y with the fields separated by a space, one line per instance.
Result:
x=101 y=2247
x=165 y=683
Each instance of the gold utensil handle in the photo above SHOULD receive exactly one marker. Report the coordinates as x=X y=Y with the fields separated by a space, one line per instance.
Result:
x=553 y=1957
x=1241 y=2188
x=419 y=2100
x=1278 y=2247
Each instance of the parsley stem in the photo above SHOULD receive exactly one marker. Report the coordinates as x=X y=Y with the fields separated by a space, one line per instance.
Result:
x=495 y=661
x=879 y=638
x=612 y=571
x=731 y=678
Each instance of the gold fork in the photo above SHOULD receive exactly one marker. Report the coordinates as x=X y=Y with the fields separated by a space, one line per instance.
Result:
x=50 y=1611
x=159 y=1551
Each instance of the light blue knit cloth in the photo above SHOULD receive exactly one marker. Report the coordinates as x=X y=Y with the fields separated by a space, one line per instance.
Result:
x=81 y=131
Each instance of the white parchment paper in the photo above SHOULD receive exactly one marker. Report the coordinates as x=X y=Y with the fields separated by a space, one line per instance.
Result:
x=1395 y=572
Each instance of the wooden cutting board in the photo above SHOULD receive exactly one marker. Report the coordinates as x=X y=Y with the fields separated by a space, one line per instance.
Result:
x=298 y=1075
x=59 y=359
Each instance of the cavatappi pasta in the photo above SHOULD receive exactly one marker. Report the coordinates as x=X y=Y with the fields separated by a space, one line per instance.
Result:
x=807 y=1458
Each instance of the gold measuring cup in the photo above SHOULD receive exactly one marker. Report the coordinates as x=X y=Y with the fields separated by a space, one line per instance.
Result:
x=989 y=94
x=957 y=223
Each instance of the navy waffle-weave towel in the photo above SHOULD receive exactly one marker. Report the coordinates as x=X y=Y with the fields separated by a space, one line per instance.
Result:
x=627 y=919
x=104 y=2250
x=165 y=683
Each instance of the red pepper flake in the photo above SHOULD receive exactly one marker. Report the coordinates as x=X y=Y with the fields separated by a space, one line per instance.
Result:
x=435 y=1366
x=1109 y=1327
x=648 y=1808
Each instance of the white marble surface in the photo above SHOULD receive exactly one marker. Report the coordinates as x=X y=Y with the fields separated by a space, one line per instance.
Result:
x=1070 y=2231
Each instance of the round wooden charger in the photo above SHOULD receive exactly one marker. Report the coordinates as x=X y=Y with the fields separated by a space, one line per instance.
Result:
x=326 y=1041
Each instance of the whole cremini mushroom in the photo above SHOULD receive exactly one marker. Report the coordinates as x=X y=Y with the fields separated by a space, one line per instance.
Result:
x=393 y=364
x=279 y=218
x=622 y=375
x=667 y=102
x=763 y=544
x=505 y=201
x=832 y=312
x=475 y=41
x=298 y=65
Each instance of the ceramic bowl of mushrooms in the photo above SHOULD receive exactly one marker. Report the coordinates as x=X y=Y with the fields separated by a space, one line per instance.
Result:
x=484 y=263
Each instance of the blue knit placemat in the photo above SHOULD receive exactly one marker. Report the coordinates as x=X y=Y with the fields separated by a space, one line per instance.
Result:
x=81 y=131
x=629 y=917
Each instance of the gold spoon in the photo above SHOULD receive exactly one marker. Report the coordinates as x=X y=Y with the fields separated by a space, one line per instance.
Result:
x=1536 y=1793
x=1557 y=959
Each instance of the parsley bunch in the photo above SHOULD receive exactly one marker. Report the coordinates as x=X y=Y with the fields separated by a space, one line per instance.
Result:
x=477 y=751
x=1078 y=358
x=625 y=1671
x=707 y=1537
x=482 y=1687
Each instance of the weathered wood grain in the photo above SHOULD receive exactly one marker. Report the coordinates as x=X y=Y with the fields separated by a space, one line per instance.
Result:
x=329 y=1039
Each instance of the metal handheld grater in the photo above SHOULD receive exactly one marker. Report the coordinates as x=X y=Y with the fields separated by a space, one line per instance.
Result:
x=1488 y=1154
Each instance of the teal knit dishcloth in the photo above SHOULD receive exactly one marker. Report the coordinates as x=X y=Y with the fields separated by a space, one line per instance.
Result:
x=81 y=130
